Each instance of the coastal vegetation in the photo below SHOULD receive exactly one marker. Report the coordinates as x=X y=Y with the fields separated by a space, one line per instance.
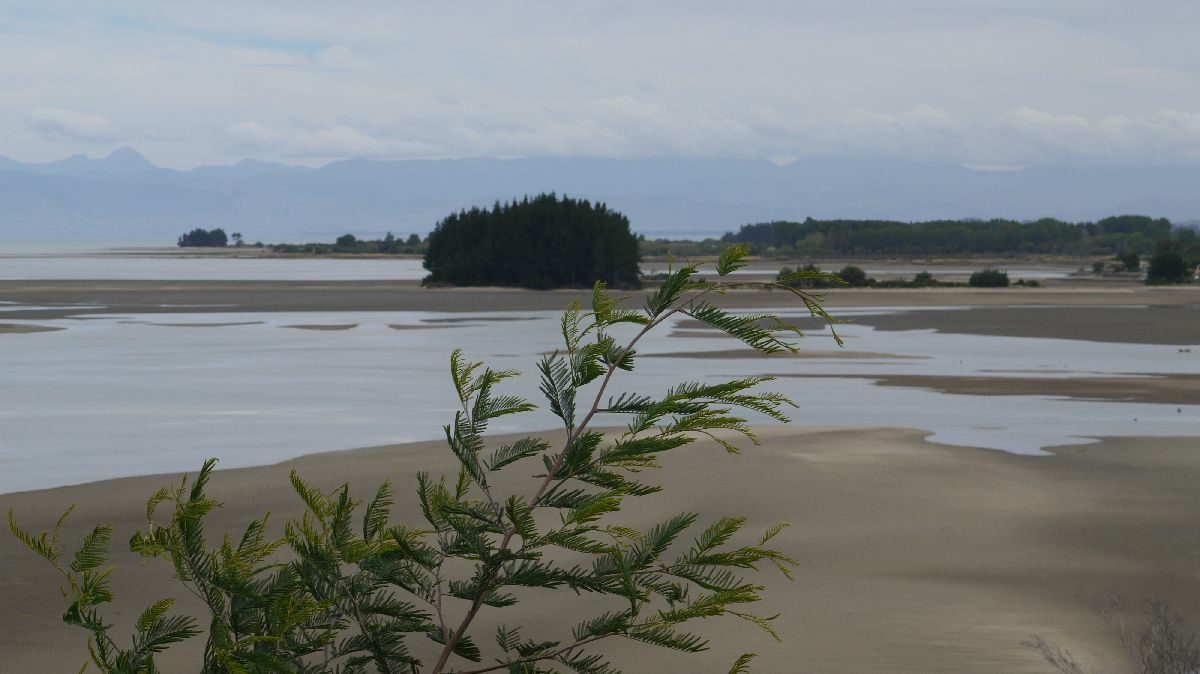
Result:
x=540 y=242
x=810 y=276
x=988 y=278
x=1174 y=261
x=344 y=590
x=205 y=238
x=1109 y=236
x=348 y=244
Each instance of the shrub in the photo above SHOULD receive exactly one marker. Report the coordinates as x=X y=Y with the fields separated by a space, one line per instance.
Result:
x=1160 y=643
x=351 y=596
x=923 y=279
x=988 y=278
x=1167 y=267
x=854 y=276
x=1130 y=261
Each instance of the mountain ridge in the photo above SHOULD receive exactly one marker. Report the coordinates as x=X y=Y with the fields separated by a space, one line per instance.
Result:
x=124 y=197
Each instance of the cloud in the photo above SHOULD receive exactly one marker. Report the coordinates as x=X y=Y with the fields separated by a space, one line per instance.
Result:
x=1161 y=136
x=334 y=142
x=60 y=124
x=993 y=82
x=340 y=57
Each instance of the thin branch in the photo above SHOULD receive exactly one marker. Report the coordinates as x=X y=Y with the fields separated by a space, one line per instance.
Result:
x=526 y=661
x=452 y=642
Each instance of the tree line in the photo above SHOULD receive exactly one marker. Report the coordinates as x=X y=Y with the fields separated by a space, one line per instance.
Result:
x=1110 y=236
x=348 y=244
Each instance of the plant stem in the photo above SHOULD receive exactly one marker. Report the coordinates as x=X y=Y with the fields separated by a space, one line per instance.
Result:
x=452 y=642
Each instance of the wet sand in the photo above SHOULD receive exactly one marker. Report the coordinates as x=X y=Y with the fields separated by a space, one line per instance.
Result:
x=24 y=328
x=1124 y=313
x=327 y=328
x=914 y=557
x=837 y=354
x=1180 y=389
x=251 y=296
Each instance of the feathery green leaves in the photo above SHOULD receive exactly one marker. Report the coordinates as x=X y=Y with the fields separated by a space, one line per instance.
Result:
x=350 y=594
x=731 y=258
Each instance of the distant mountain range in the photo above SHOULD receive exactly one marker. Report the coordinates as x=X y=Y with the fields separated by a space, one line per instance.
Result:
x=124 y=198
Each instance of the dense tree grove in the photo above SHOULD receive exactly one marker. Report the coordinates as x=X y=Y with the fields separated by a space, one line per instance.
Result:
x=988 y=278
x=1115 y=235
x=1174 y=260
x=539 y=242
x=204 y=238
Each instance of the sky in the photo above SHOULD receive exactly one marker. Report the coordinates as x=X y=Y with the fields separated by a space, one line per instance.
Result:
x=991 y=84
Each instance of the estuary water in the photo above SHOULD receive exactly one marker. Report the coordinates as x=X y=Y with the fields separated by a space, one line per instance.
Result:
x=205 y=268
x=116 y=395
x=183 y=267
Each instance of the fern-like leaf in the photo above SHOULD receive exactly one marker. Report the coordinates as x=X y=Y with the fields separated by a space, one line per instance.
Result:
x=742 y=664
x=731 y=258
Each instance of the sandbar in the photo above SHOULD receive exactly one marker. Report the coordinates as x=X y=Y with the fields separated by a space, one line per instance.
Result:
x=1175 y=389
x=337 y=327
x=25 y=328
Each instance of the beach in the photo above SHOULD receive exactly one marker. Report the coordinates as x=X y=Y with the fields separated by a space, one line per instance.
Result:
x=915 y=556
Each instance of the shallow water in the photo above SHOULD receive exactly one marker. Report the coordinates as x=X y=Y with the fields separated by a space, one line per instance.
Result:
x=111 y=396
x=182 y=268
x=179 y=267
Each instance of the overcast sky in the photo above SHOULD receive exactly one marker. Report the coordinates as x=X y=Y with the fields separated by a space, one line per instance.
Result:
x=990 y=83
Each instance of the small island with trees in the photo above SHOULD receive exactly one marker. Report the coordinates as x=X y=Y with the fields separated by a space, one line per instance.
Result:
x=540 y=242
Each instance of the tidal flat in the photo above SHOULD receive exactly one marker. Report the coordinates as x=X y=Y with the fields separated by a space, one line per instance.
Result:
x=972 y=468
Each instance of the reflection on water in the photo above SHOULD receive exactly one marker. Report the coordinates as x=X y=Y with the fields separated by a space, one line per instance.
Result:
x=121 y=395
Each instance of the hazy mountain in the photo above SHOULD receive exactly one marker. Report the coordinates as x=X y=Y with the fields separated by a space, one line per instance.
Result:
x=124 y=198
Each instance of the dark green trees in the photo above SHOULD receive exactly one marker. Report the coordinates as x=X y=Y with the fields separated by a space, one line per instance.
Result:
x=1130 y=260
x=1124 y=233
x=203 y=237
x=1167 y=266
x=1174 y=261
x=988 y=278
x=543 y=242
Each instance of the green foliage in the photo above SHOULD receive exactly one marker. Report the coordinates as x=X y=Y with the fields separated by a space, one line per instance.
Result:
x=348 y=244
x=953 y=237
x=808 y=276
x=1172 y=262
x=204 y=238
x=345 y=591
x=1167 y=267
x=854 y=276
x=668 y=248
x=988 y=278
x=923 y=279
x=1130 y=260
x=543 y=242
